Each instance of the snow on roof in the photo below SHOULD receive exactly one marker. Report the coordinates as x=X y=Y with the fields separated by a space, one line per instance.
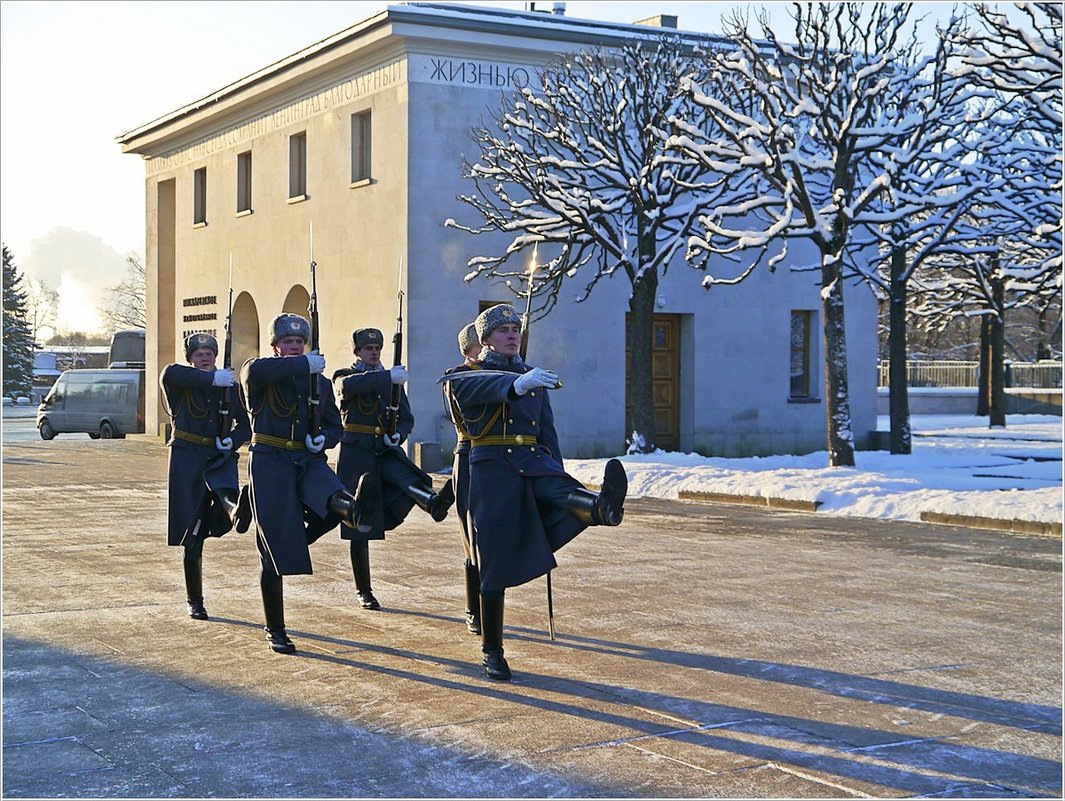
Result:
x=547 y=25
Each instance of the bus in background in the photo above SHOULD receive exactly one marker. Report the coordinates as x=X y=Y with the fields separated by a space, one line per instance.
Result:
x=127 y=349
x=105 y=404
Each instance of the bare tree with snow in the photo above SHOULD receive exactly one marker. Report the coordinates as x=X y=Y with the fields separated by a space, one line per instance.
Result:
x=1017 y=55
x=569 y=164
x=932 y=182
x=797 y=127
x=1013 y=258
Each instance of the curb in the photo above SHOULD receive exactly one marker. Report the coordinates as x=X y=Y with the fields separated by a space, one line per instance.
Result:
x=750 y=500
x=1031 y=527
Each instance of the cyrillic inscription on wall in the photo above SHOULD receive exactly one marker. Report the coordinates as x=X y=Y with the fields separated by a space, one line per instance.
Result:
x=319 y=103
x=469 y=72
x=197 y=317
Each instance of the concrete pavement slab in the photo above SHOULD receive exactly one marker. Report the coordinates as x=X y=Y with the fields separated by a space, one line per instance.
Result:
x=702 y=651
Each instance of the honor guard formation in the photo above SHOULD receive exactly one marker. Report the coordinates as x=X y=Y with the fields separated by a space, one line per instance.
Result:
x=516 y=504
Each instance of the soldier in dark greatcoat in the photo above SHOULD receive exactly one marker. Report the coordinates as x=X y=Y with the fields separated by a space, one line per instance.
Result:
x=296 y=497
x=470 y=348
x=202 y=484
x=368 y=453
x=523 y=504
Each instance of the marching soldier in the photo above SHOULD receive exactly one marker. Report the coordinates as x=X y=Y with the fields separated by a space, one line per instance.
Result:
x=368 y=453
x=295 y=495
x=202 y=483
x=523 y=504
x=470 y=348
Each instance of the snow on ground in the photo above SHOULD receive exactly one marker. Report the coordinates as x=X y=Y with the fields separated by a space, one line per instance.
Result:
x=958 y=466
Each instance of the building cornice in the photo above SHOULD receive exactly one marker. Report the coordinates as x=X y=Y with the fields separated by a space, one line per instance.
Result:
x=409 y=21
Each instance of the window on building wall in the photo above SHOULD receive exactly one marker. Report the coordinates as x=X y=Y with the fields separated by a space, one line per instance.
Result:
x=801 y=327
x=297 y=165
x=199 y=196
x=244 y=182
x=361 y=140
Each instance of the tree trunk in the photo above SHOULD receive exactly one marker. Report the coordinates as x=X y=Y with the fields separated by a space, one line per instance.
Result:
x=641 y=340
x=898 y=387
x=837 y=394
x=998 y=354
x=1042 y=348
x=983 y=376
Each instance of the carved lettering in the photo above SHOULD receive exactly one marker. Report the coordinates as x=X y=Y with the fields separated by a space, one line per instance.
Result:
x=477 y=73
x=204 y=300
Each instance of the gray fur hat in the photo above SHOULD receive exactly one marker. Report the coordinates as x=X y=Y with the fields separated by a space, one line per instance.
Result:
x=361 y=337
x=467 y=338
x=490 y=319
x=197 y=341
x=286 y=324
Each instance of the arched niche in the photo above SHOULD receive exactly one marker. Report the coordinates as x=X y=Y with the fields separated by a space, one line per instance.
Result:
x=245 y=330
x=297 y=301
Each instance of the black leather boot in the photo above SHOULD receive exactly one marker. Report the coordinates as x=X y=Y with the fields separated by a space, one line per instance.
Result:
x=274 y=608
x=228 y=500
x=473 y=598
x=194 y=588
x=605 y=508
x=435 y=503
x=610 y=505
x=242 y=516
x=360 y=566
x=357 y=511
x=495 y=666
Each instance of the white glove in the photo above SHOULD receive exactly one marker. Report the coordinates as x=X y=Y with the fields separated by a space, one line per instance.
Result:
x=316 y=362
x=536 y=377
x=224 y=445
x=392 y=440
x=222 y=378
x=315 y=444
x=399 y=374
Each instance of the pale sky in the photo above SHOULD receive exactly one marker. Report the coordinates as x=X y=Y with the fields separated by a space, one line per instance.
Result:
x=75 y=75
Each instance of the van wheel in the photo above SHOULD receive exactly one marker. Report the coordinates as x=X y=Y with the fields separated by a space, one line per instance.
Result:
x=107 y=431
x=47 y=432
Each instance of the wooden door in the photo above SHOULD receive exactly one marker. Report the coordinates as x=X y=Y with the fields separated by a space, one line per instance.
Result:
x=665 y=367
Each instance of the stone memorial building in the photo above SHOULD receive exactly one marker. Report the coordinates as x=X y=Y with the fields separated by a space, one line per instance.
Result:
x=349 y=152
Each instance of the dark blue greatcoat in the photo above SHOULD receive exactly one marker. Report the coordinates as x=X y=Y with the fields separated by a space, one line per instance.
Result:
x=364 y=394
x=460 y=469
x=290 y=486
x=517 y=492
x=197 y=469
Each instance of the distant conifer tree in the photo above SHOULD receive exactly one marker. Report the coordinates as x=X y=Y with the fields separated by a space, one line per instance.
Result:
x=18 y=341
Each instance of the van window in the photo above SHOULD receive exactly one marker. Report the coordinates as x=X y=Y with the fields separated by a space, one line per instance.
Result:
x=79 y=388
x=111 y=393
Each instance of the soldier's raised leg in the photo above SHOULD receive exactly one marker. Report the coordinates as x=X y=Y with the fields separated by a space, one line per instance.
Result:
x=606 y=507
x=436 y=504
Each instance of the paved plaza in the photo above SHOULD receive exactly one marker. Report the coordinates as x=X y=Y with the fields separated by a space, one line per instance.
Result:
x=702 y=650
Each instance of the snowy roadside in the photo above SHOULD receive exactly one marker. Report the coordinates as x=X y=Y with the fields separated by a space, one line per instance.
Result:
x=958 y=467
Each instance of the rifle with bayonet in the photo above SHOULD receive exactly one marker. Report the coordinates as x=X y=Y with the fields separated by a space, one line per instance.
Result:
x=523 y=350
x=397 y=359
x=312 y=312
x=227 y=360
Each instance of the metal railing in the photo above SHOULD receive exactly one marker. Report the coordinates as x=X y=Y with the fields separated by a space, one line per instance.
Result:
x=1041 y=375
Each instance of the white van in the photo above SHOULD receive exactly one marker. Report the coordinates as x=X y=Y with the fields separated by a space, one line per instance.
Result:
x=100 y=403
